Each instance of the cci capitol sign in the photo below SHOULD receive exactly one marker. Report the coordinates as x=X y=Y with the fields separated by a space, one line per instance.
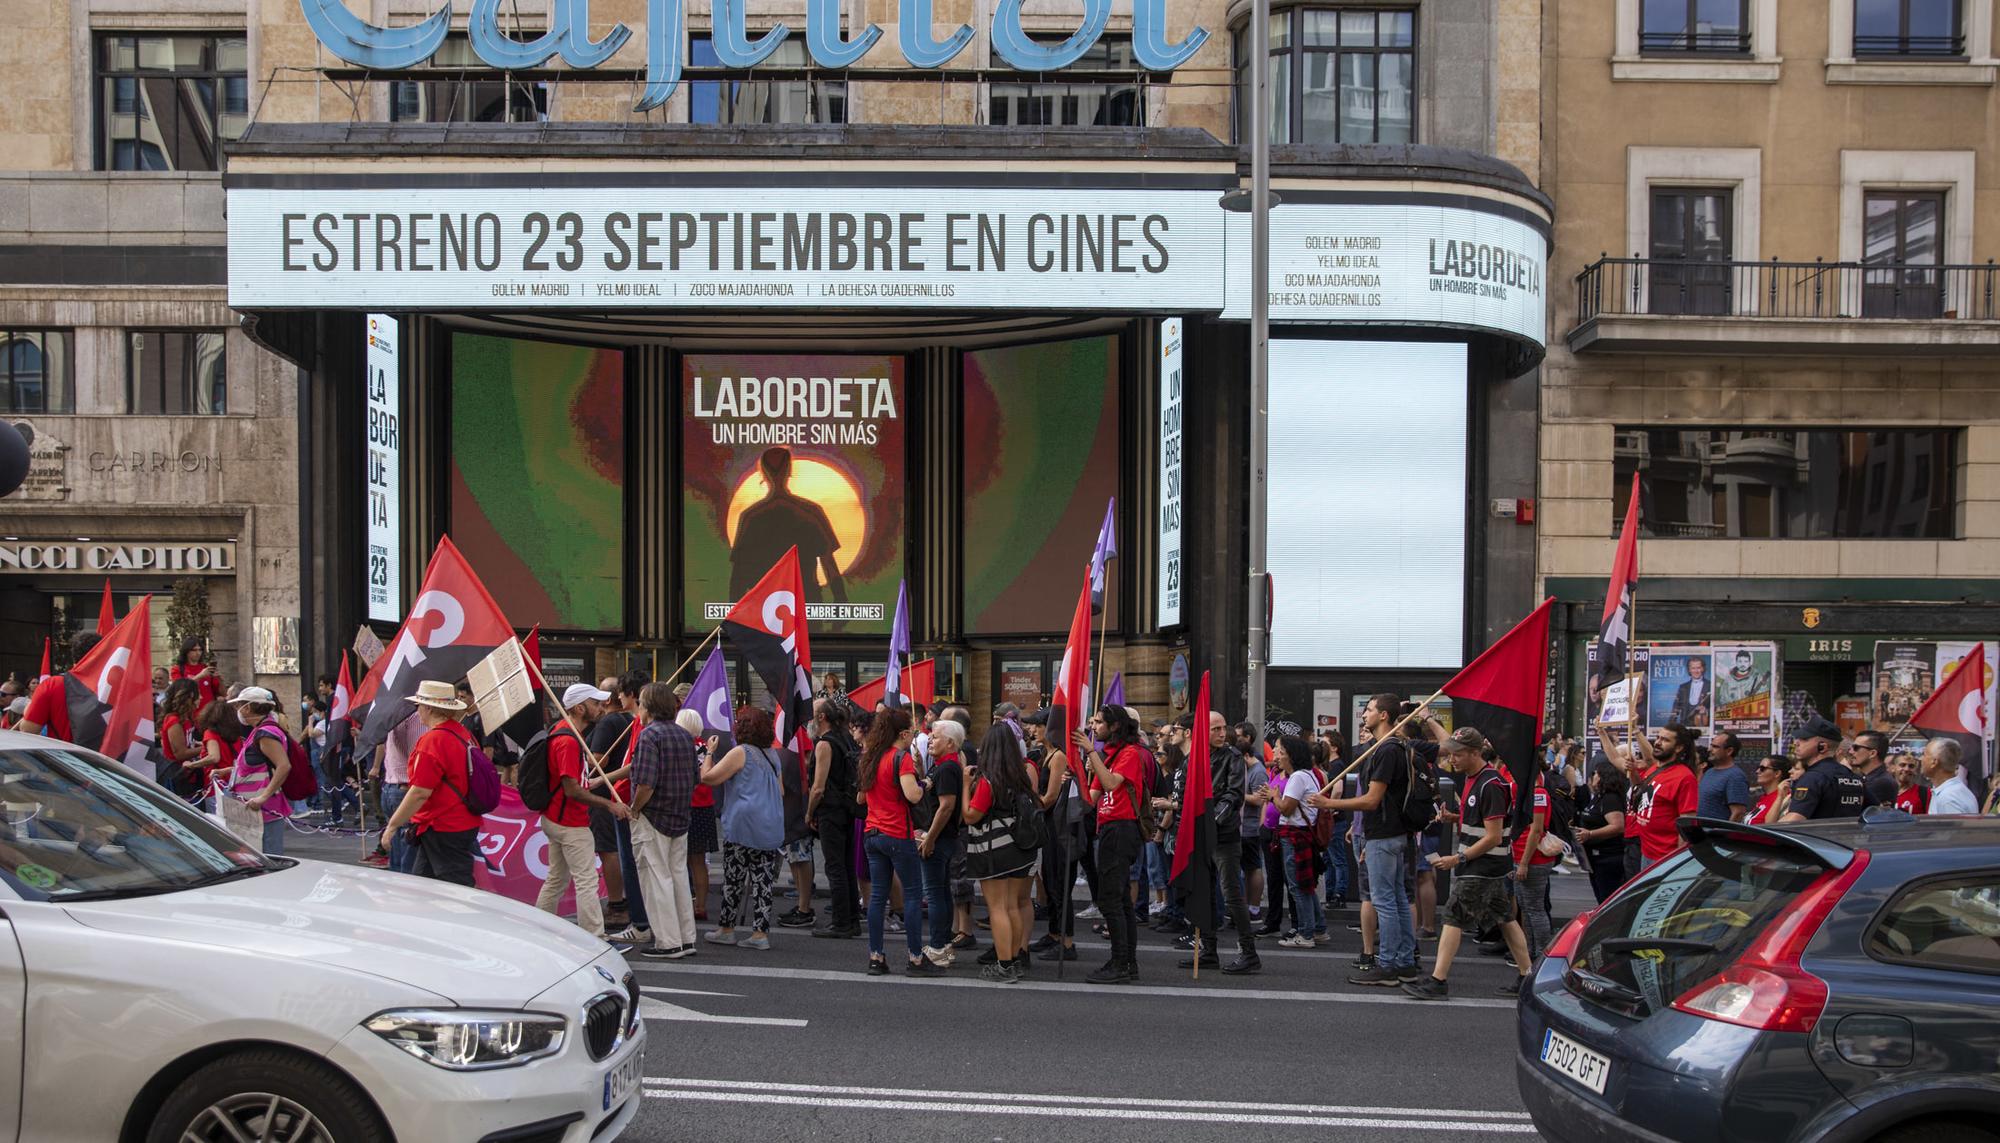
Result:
x=18 y=556
x=369 y=45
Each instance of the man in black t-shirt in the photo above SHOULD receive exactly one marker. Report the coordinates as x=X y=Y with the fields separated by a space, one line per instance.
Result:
x=1387 y=838
x=1871 y=757
x=1480 y=897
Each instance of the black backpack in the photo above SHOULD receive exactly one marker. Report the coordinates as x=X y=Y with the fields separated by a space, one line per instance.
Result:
x=842 y=778
x=533 y=775
x=1420 y=797
x=1030 y=831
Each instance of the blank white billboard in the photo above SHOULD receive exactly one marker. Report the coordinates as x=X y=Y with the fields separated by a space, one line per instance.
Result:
x=1367 y=503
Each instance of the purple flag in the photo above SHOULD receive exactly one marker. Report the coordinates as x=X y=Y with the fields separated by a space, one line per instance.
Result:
x=1106 y=551
x=1114 y=695
x=899 y=647
x=710 y=696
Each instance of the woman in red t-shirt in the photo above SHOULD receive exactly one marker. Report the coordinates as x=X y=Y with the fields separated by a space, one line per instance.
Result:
x=180 y=739
x=1770 y=776
x=1004 y=870
x=221 y=731
x=1672 y=790
x=888 y=784
x=1532 y=867
x=190 y=665
x=1117 y=781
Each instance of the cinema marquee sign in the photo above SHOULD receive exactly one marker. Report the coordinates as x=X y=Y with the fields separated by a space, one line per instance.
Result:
x=113 y=558
x=355 y=40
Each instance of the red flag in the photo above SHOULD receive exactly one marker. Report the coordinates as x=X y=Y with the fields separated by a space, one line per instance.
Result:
x=105 y=619
x=452 y=625
x=1073 y=677
x=531 y=650
x=1615 y=629
x=919 y=685
x=45 y=658
x=1959 y=706
x=1200 y=790
x=768 y=625
x=110 y=695
x=1504 y=692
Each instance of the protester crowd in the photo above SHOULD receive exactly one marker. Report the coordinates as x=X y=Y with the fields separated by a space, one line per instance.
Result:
x=915 y=814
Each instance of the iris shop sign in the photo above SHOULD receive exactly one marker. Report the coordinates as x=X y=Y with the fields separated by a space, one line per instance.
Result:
x=132 y=558
x=358 y=42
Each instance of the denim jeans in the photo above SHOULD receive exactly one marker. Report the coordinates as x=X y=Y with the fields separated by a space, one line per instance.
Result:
x=937 y=895
x=400 y=857
x=628 y=864
x=1159 y=863
x=274 y=836
x=893 y=857
x=1338 y=855
x=1396 y=934
x=1532 y=896
x=1306 y=906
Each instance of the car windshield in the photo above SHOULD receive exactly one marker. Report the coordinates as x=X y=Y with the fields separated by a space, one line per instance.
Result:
x=1702 y=908
x=74 y=826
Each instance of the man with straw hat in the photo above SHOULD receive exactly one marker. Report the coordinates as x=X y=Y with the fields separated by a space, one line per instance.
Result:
x=445 y=832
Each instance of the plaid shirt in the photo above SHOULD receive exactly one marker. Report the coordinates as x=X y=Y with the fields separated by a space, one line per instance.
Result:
x=664 y=761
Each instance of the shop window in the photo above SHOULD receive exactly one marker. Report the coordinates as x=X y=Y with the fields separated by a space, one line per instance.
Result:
x=1750 y=483
x=35 y=372
x=176 y=372
x=1690 y=250
x=1338 y=75
x=167 y=102
x=1909 y=28
x=749 y=100
x=1702 y=27
x=1902 y=247
x=466 y=100
x=1109 y=97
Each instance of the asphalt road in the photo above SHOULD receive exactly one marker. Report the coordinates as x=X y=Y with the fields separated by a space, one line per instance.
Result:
x=799 y=1043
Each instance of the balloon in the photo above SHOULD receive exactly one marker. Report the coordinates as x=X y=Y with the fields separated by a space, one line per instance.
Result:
x=13 y=456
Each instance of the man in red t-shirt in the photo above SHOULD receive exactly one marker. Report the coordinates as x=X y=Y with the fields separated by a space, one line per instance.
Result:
x=48 y=707
x=566 y=823
x=1912 y=796
x=446 y=832
x=1672 y=791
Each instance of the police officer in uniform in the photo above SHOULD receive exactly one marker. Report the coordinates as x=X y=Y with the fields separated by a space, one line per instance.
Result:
x=1827 y=789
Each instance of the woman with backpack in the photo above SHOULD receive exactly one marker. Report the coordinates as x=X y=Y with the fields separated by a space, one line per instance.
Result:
x=888 y=780
x=1004 y=830
x=1299 y=842
x=263 y=762
x=750 y=781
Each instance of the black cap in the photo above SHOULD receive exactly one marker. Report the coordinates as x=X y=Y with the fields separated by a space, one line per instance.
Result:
x=1816 y=727
x=1037 y=717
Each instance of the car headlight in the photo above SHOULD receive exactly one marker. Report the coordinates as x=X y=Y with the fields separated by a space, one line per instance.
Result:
x=468 y=1040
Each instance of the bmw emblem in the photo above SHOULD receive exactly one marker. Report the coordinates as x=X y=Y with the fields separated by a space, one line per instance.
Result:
x=606 y=974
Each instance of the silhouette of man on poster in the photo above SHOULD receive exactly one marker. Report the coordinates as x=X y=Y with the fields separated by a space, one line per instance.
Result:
x=777 y=522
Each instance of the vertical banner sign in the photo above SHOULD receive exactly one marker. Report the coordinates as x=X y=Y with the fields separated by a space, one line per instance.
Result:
x=382 y=469
x=1171 y=390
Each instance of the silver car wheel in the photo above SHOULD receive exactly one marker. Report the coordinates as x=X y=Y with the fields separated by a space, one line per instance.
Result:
x=256 y=1117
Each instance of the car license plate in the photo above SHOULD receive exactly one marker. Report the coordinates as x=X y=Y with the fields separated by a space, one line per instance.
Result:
x=623 y=1079
x=1575 y=1061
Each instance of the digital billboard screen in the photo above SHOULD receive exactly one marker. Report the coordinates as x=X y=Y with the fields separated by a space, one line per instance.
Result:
x=783 y=451
x=1041 y=461
x=538 y=477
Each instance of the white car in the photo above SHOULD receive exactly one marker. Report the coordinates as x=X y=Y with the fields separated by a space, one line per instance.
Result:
x=161 y=982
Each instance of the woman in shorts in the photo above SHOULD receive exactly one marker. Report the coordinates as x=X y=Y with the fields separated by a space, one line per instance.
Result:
x=1003 y=869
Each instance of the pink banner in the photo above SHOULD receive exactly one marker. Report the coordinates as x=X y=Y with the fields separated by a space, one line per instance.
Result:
x=516 y=853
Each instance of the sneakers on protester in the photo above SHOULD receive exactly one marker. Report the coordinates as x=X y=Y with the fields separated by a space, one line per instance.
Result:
x=798 y=919
x=631 y=935
x=1409 y=972
x=893 y=923
x=1112 y=972
x=759 y=942
x=1092 y=913
x=1296 y=941
x=922 y=967
x=836 y=933
x=1322 y=939
x=1243 y=965
x=943 y=957
x=1429 y=988
x=1058 y=952
x=661 y=952
x=1047 y=942
x=996 y=972
x=1364 y=962
x=990 y=956
x=1376 y=976
x=720 y=936
x=1208 y=960
x=964 y=941
x=878 y=966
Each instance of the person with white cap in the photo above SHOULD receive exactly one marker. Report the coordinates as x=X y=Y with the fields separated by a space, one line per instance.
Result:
x=566 y=821
x=262 y=762
x=446 y=831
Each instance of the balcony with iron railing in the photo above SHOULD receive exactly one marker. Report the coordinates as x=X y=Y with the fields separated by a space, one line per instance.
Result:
x=1667 y=305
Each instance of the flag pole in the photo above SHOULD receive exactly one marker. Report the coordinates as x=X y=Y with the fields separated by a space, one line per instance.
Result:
x=595 y=764
x=1421 y=707
x=697 y=650
x=611 y=749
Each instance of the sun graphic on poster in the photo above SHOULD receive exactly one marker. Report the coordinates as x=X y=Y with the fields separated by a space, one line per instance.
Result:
x=834 y=491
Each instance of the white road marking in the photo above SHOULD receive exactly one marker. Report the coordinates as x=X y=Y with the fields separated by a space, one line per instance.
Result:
x=661 y=1010
x=1377 y=996
x=738 y=1098
x=1083 y=1100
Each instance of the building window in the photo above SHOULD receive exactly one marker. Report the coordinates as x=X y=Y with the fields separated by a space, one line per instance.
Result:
x=1109 y=97
x=1746 y=483
x=167 y=102
x=466 y=100
x=1909 y=28
x=176 y=372
x=1680 y=27
x=1690 y=250
x=802 y=100
x=1902 y=248
x=1338 y=75
x=35 y=371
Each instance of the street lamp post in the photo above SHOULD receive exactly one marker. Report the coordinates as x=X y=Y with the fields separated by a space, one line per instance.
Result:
x=1260 y=335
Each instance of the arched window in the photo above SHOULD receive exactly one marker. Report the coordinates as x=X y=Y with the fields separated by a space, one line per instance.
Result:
x=35 y=370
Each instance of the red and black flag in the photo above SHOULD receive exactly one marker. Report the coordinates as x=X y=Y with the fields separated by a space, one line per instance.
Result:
x=452 y=625
x=1502 y=692
x=1957 y=709
x=768 y=627
x=1614 y=634
x=339 y=713
x=106 y=620
x=109 y=695
x=1194 y=840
